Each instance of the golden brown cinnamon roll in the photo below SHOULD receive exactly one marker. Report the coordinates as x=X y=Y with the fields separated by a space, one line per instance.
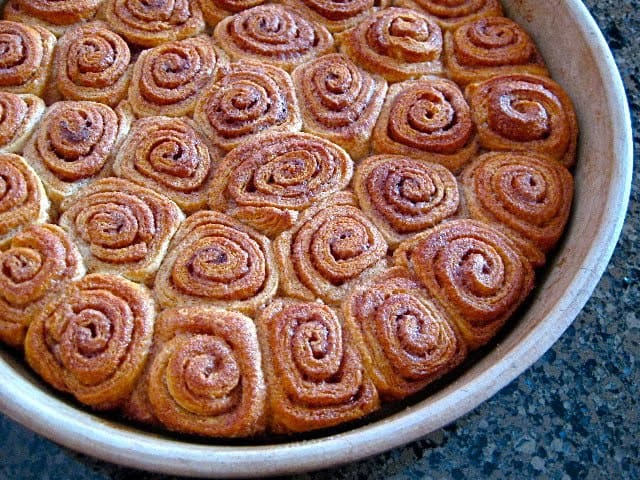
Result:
x=53 y=15
x=339 y=101
x=94 y=341
x=427 y=119
x=74 y=144
x=267 y=181
x=19 y=115
x=331 y=247
x=251 y=98
x=214 y=260
x=474 y=271
x=272 y=34
x=336 y=15
x=27 y=53
x=452 y=13
x=23 y=200
x=396 y=43
x=149 y=24
x=92 y=63
x=204 y=376
x=528 y=197
x=215 y=10
x=488 y=47
x=404 y=196
x=170 y=156
x=314 y=374
x=525 y=113
x=168 y=79
x=121 y=227
x=40 y=261
x=406 y=341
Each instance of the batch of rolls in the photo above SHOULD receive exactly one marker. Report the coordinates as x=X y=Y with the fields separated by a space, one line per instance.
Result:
x=232 y=218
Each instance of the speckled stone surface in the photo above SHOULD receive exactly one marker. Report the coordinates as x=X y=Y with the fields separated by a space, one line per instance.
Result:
x=574 y=414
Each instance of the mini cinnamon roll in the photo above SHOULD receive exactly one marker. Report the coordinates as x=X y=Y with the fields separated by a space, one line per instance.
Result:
x=314 y=374
x=53 y=15
x=427 y=119
x=40 y=261
x=336 y=15
x=121 y=227
x=451 y=14
x=396 y=43
x=94 y=340
x=19 y=115
x=339 y=101
x=525 y=113
x=267 y=181
x=215 y=10
x=272 y=34
x=27 y=54
x=251 y=98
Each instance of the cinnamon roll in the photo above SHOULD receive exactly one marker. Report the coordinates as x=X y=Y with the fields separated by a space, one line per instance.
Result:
x=525 y=113
x=121 y=227
x=406 y=341
x=74 y=145
x=404 y=196
x=39 y=263
x=267 y=181
x=92 y=63
x=330 y=248
x=169 y=156
x=336 y=15
x=452 y=13
x=168 y=79
x=427 y=119
x=23 y=200
x=94 y=341
x=27 y=53
x=215 y=260
x=251 y=98
x=396 y=43
x=215 y=10
x=204 y=376
x=314 y=374
x=19 y=115
x=528 y=197
x=53 y=15
x=272 y=34
x=474 y=271
x=339 y=101
x=149 y=24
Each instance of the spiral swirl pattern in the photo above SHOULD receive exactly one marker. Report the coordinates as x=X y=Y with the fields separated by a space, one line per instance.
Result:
x=92 y=63
x=530 y=196
x=405 y=340
x=120 y=227
x=168 y=79
x=94 y=341
x=25 y=63
x=404 y=196
x=252 y=98
x=474 y=271
x=339 y=101
x=19 y=115
x=451 y=14
x=149 y=24
x=525 y=113
x=215 y=10
x=315 y=375
x=53 y=15
x=35 y=268
x=272 y=34
x=330 y=247
x=427 y=119
x=267 y=181
x=74 y=145
x=23 y=200
x=336 y=15
x=217 y=261
x=396 y=43
x=171 y=157
x=204 y=376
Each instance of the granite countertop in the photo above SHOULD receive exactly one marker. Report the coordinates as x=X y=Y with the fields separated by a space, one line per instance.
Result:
x=573 y=414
